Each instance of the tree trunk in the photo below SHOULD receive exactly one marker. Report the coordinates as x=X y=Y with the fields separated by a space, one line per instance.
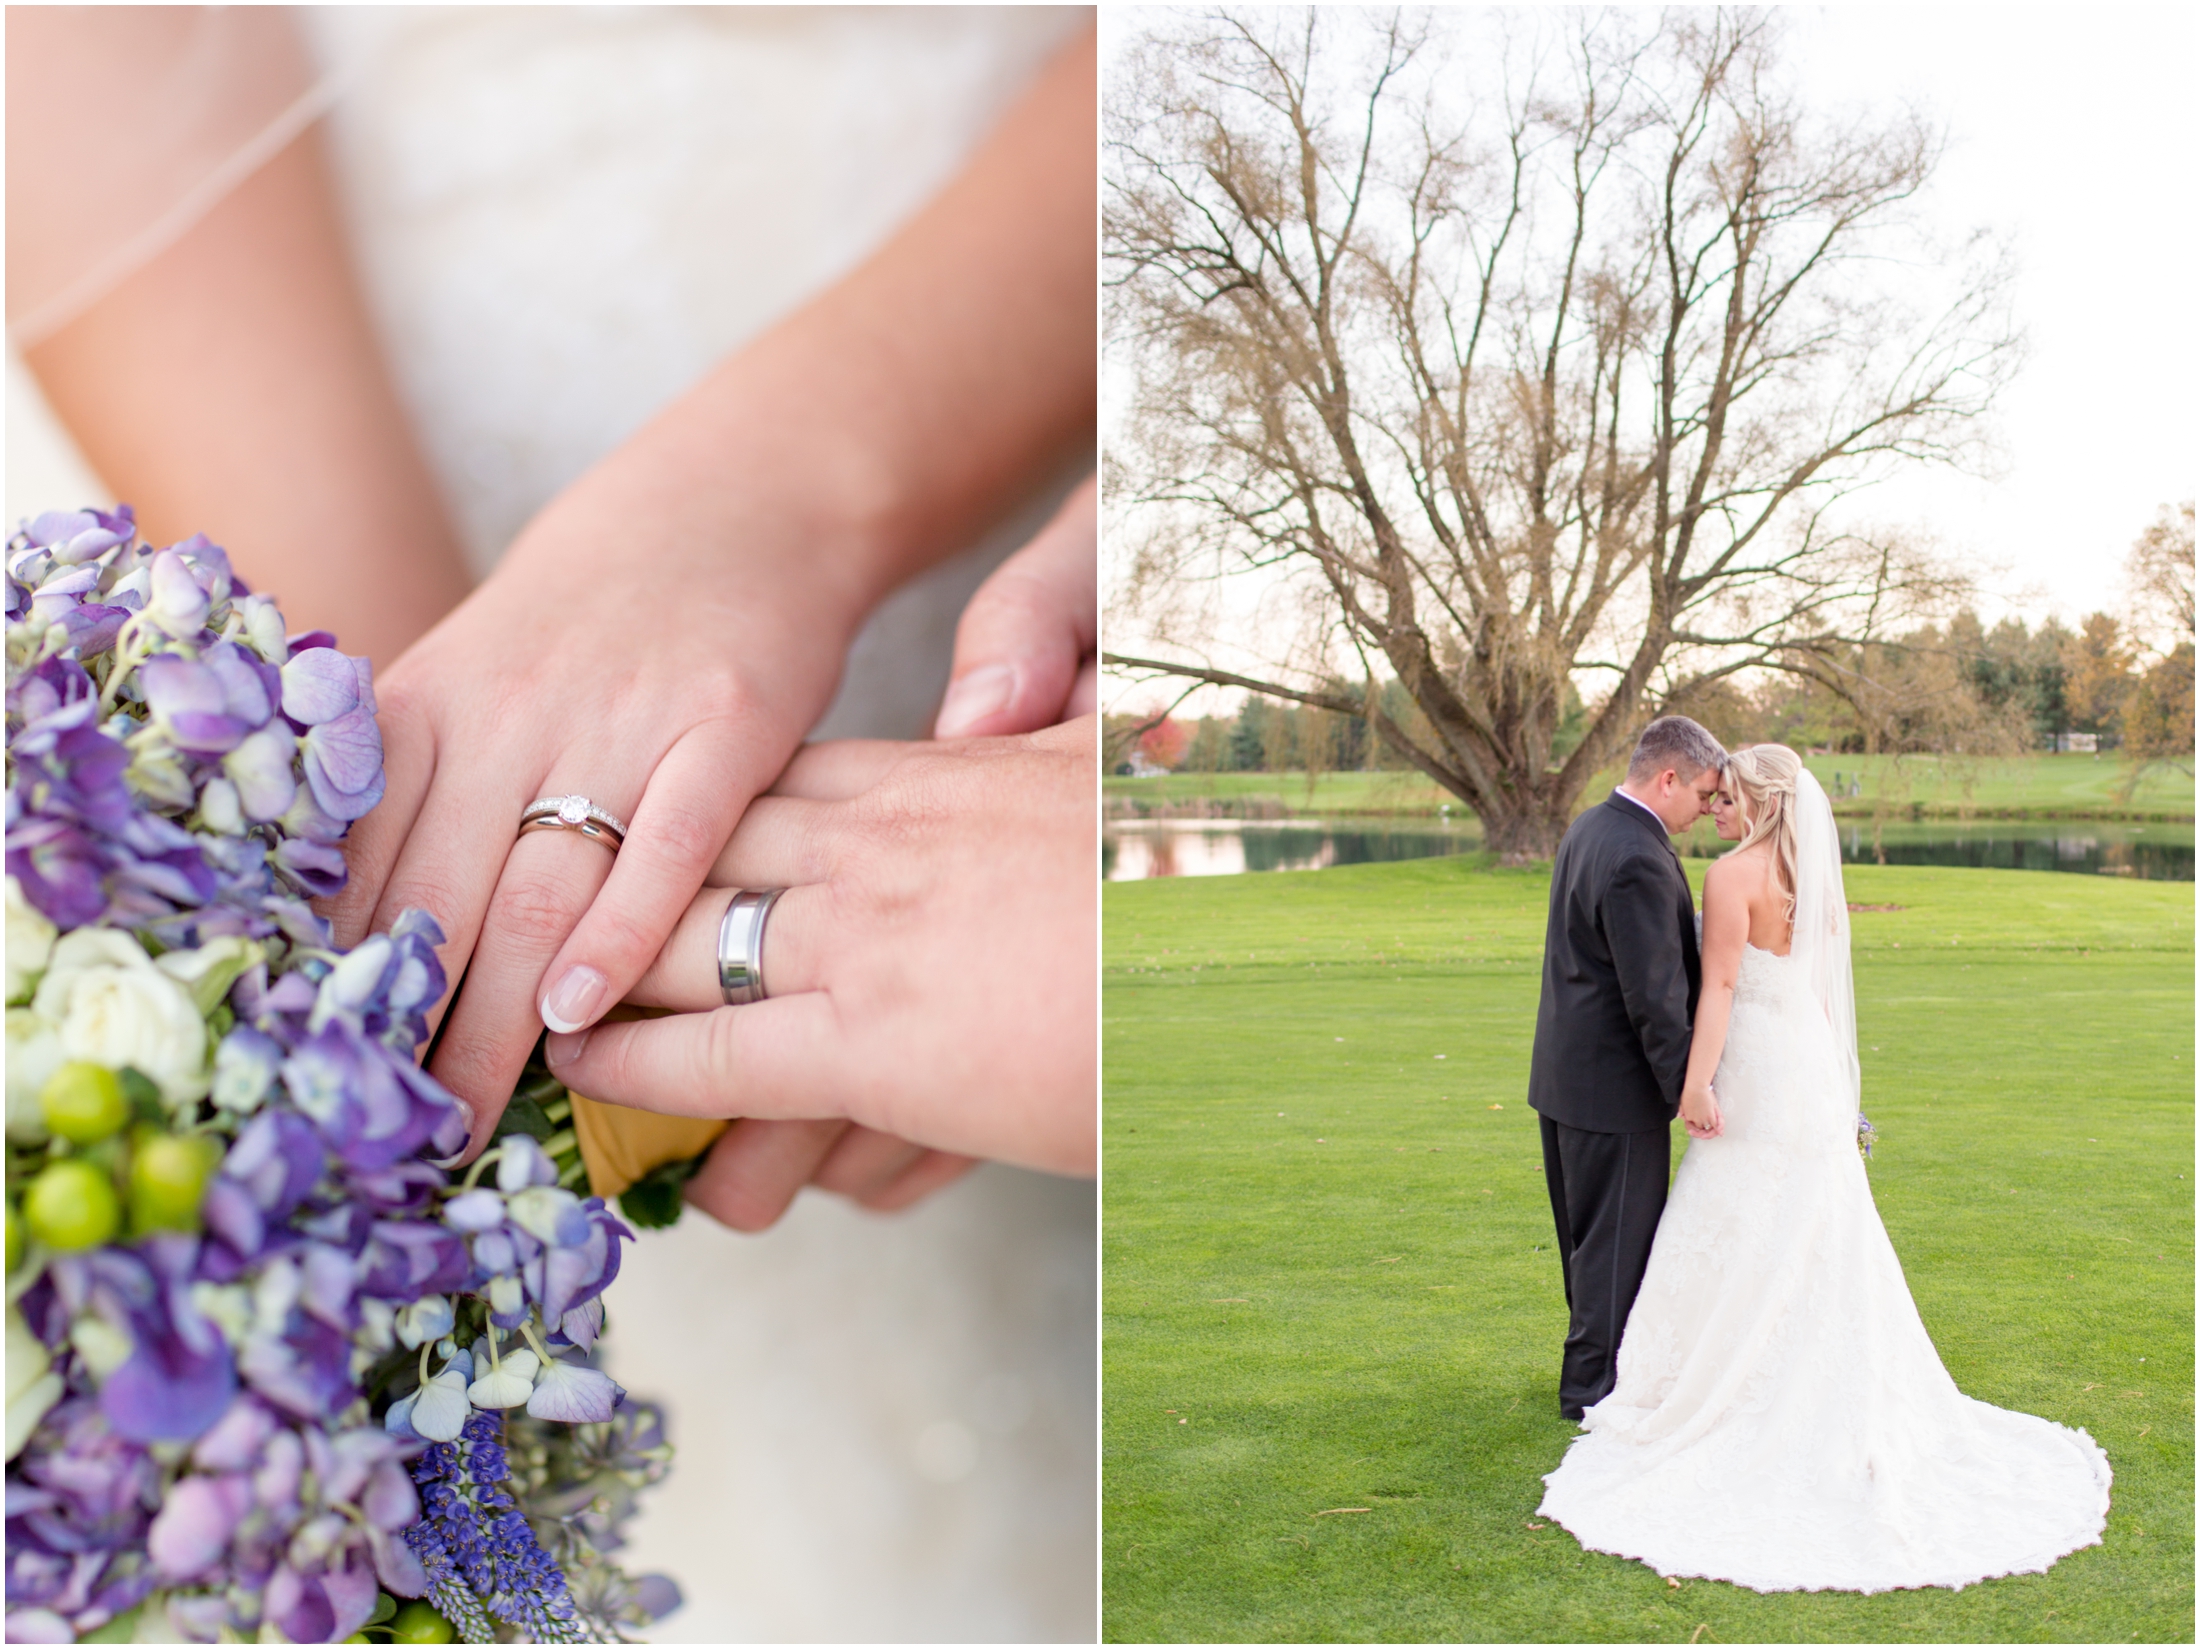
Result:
x=1528 y=834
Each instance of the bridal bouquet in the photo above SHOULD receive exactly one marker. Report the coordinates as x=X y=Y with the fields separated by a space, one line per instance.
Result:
x=272 y=1373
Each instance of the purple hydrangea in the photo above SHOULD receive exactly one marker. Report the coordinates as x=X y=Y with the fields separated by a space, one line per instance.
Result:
x=277 y=1420
x=179 y=766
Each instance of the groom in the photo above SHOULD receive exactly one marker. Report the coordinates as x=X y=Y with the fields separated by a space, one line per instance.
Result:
x=1620 y=975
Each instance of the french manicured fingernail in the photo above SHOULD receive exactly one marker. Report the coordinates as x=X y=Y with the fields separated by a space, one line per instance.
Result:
x=972 y=698
x=563 y=1050
x=573 y=999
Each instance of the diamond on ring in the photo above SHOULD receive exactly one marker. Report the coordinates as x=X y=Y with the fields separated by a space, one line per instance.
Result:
x=576 y=813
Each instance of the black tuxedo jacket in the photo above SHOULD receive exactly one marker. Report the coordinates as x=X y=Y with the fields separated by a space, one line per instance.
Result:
x=1620 y=976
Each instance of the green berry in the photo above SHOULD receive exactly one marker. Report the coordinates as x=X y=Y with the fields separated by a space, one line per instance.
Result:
x=72 y=1205
x=168 y=1176
x=83 y=1102
x=418 y=1623
x=15 y=1239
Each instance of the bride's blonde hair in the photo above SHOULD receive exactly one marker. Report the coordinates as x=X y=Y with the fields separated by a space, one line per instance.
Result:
x=1763 y=778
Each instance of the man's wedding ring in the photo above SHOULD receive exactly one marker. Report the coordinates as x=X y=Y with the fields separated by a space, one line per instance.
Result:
x=741 y=945
x=574 y=813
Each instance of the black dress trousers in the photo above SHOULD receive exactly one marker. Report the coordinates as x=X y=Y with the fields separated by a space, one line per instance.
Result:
x=1607 y=1191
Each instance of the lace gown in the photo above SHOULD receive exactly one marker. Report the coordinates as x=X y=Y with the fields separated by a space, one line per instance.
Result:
x=1782 y=1419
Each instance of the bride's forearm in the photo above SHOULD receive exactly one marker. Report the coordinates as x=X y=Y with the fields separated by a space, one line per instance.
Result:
x=231 y=385
x=890 y=419
x=1713 y=1009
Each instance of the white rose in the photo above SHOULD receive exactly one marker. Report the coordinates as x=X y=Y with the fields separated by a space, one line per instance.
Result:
x=34 y=1054
x=30 y=942
x=112 y=1006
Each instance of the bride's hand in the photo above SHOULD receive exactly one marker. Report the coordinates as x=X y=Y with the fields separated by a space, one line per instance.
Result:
x=1700 y=1111
x=663 y=635
x=664 y=666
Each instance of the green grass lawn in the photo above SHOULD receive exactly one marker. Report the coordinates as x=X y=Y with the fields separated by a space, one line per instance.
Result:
x=2039 y=786
x=1329 y=1280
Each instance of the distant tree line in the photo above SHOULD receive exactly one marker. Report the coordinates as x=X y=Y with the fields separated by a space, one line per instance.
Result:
x=1965 y=689
x=1955 y=688
x=1272 y=736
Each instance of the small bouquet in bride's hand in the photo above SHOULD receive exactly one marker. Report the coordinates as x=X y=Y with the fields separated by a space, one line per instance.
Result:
x=273 y=1373
x=1866 y=1135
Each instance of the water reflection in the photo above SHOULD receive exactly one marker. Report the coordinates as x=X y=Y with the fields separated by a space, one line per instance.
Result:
x=1133 y=850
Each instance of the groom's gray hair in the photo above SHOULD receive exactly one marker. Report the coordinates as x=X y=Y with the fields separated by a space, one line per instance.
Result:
x=1676 y=742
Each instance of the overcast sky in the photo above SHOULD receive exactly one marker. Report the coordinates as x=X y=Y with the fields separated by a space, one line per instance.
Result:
x=2071 y=128
x=2071 y=131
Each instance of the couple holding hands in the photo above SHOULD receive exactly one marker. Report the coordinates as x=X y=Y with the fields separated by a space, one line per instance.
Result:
x=648 y=654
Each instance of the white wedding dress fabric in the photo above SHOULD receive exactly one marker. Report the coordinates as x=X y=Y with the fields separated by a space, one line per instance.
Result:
x=1781 y=1418
x=563 y=217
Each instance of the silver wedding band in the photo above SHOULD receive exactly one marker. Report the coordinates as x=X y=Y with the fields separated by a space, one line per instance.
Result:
x=577 y=814
x=741 y=945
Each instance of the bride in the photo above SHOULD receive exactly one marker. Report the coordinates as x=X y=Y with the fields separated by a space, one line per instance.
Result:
x=1781 y=1418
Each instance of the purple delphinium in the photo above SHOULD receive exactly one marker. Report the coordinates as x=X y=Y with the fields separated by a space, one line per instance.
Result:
x=223 y=1412
x=481 y=1557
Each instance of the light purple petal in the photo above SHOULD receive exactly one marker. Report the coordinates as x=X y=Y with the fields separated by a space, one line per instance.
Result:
x=59 y=526
x=344 y=765
x=175 y=686
x=363 y=669
x=566 y=1271
x=440 y=1410
x=583 y=1323
x=236 y=1439
x=318 y=870
x=178 y=605
x=299 y=1607
x=195 y=1523
x=208 y=735
x=329 y=1278
x=38 y=1626
x=396 y=1566
x=573 y=1393
x=92 y=629
x=244 y=689
x=282 y=1465
x=657 y=1595
x=352 y=983
x=350 y=1598
x=244 y=1066
x=319 y=685
x=477 y=1210
x=260 y=769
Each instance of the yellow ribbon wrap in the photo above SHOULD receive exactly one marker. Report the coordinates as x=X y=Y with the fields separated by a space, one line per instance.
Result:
x=619 y=1144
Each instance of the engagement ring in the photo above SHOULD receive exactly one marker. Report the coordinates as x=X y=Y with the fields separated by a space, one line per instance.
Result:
x=574 y=813
x=741 y=946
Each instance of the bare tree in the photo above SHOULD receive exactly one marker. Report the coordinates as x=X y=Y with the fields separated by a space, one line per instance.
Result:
x=2159 y=571
x=2158 y=715
x=1524 y=374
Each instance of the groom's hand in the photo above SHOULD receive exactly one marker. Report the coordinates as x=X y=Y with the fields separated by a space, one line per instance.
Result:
x=1700 y=1110
x=932 y=962
x=1024 y=648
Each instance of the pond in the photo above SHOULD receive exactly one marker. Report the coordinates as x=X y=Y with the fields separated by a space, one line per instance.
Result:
x=1131 y=850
